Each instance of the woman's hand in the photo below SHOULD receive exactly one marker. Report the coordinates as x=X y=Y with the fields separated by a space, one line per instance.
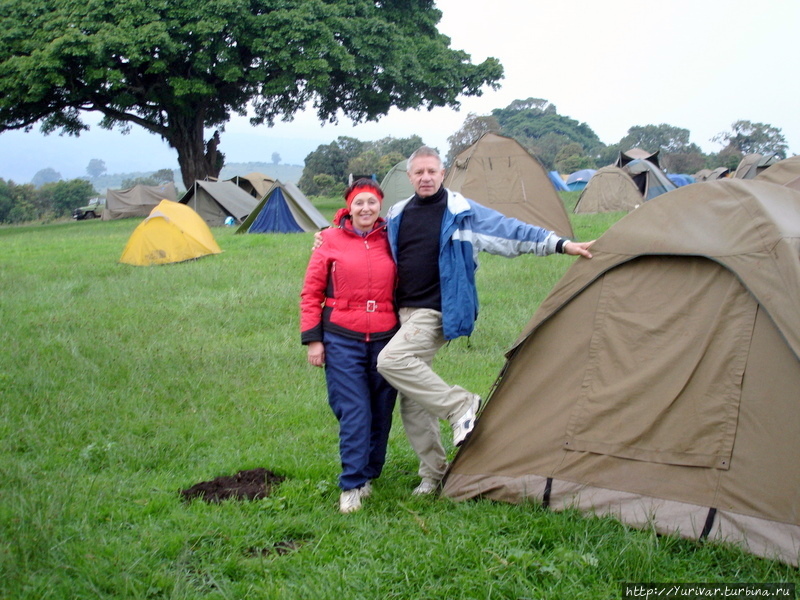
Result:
x=316 y=354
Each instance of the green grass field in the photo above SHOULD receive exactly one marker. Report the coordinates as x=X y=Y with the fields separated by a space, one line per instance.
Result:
x=121 y=386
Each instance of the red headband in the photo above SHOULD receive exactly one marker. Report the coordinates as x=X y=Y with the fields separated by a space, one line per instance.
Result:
x=363 y=188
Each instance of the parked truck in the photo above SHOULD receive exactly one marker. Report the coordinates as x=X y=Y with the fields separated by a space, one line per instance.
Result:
x=92 y=210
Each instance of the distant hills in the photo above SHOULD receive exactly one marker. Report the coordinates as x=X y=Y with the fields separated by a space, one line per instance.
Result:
x=283 y=172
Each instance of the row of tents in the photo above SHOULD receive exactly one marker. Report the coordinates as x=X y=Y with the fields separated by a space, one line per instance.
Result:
x=242 y=198
x=637 y=177
x=495 y=171
x=175 y=231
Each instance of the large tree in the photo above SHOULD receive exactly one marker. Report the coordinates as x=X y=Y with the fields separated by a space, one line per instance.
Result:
x=181 y=68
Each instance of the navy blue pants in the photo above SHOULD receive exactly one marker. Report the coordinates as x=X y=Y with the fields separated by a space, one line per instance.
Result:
x=362 y=402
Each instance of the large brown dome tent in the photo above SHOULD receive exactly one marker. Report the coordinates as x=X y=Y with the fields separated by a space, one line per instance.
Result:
x=672 y=399
x=498 y=172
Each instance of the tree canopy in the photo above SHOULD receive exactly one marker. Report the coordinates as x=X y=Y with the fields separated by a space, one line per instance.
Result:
x=536 y=124
x=471 y=131
x=347 y=155
x=180 y=69
x=753 y=138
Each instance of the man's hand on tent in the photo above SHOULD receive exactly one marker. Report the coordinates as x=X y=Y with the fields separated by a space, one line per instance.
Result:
x=578 y=248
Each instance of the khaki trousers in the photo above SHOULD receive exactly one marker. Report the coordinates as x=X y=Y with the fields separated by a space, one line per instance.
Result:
x=405 y=362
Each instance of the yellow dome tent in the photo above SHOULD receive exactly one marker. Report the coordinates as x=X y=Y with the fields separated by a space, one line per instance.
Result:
x=172 y=233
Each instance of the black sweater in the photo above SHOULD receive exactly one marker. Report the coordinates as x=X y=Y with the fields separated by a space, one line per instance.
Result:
x=418 y=282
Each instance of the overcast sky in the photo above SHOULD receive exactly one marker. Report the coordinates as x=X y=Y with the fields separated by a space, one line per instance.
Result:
x=696 y=64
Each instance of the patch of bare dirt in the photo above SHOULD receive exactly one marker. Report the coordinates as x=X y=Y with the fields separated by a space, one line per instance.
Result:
x=251 y=484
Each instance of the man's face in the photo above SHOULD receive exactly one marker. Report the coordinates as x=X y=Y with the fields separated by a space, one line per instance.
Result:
x=426 y=175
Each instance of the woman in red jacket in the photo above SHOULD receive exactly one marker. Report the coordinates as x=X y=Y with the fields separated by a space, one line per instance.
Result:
x=347 y=315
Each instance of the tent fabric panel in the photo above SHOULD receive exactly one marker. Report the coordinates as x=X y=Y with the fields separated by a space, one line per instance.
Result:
x=729 y=221
x=275 y=216
x=190 y=223
x=230 y=198
x=306 y=214
x=296 y=213
x=760 y=536
x=137 y=201
x=666 y=358
x=396 y=186
x=522 y=448
x=768 y=413
x=256 y=184
x=205 y=205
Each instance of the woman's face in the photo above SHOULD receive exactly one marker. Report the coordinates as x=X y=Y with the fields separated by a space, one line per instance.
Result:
x=365 y=210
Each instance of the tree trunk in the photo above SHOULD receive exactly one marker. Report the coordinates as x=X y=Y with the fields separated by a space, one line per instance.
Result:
x=197 y=158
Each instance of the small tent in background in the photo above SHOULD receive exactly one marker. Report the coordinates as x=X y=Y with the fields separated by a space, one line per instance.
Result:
x=396 y=186
x=137 y=201
x=650 y=180
x=283 y=209
x=498 y=172
x=680 y=179
x=718 y=173
x=672 y=402
x=644 y=169
x=637 y=154
x=172 y=233
x=752 y=164
x=255 y=184
x=611 y=189
x=578 y=180
x=558 y=183
x=215 y=201
x=785 y=172
x=702 y=175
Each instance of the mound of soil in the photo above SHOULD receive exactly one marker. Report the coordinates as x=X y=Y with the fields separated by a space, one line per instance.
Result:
x=245 y=485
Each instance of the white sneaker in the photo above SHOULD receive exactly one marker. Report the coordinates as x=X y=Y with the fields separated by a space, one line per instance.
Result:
x=366 y=490
x=426 y=486
x=463 y=426
x=350 y=501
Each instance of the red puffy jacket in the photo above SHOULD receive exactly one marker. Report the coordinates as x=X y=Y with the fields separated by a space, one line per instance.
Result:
x=349 y=286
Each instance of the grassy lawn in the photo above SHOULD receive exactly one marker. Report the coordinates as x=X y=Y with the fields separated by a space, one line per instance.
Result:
x=121 y=386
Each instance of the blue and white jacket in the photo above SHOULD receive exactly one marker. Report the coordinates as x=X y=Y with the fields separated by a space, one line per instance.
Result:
x=467 y=229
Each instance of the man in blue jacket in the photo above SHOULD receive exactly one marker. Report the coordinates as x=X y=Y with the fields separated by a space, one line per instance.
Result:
x=438 y=300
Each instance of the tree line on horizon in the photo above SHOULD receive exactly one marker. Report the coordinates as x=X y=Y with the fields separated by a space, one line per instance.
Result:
x=560 y=143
